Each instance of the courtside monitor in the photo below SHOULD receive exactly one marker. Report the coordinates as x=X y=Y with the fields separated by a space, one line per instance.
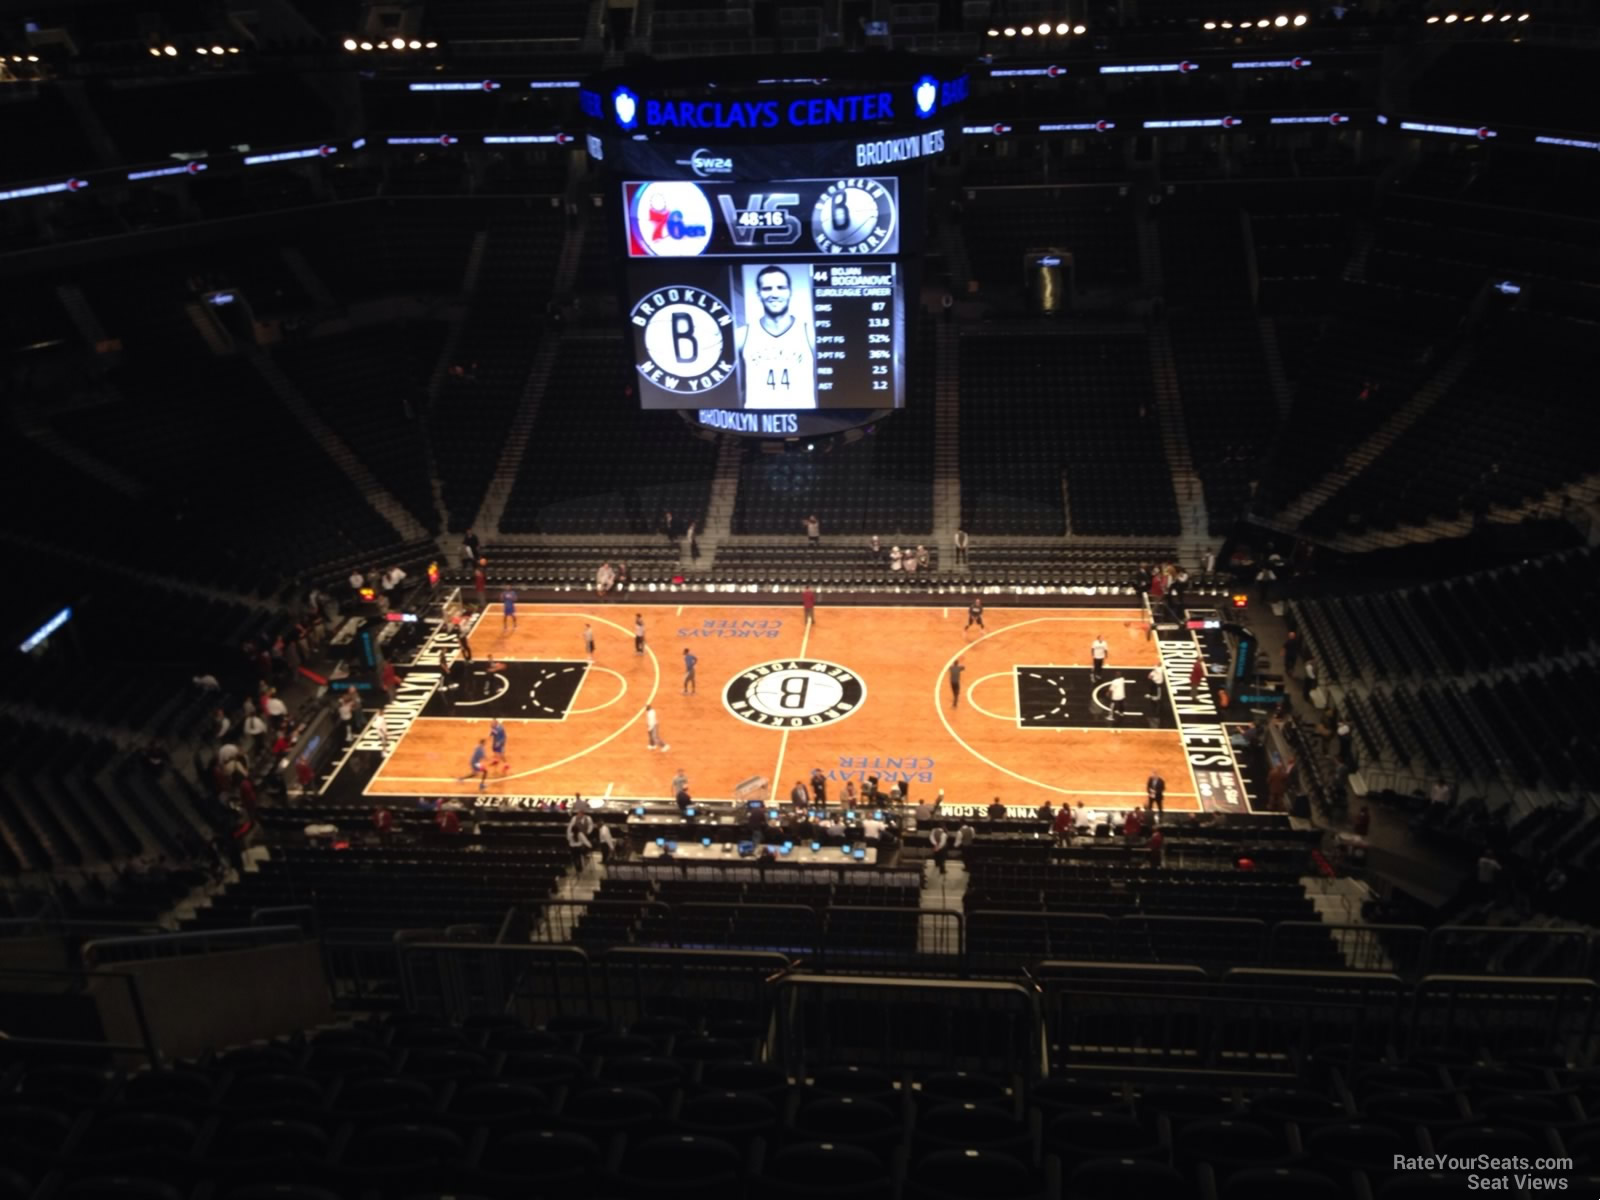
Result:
x=815 y=846
x=746 y=849
x=638 y=810
x=689 y=812
x=661 y=841
x=859 y=855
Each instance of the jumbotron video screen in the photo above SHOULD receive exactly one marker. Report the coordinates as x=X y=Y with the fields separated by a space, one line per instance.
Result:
x=780 y=296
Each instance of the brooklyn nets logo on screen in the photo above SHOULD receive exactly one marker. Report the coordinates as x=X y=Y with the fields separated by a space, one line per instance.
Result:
x=688 y=339
x=853 y=216
x=796 y=693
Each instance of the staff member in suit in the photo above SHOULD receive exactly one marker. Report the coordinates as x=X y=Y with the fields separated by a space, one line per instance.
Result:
x=1155 y=790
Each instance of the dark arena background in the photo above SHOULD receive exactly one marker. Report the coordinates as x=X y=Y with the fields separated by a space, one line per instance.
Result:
x=799 y=598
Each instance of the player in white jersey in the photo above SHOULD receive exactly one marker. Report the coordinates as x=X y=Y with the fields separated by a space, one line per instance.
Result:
x=778 y=352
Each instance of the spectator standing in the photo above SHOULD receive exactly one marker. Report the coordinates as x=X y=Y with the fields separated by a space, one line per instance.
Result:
x=813 y=530
x=254 y=727
x=347 y=714
x=1291 y=652
x=1489 y=869
x=939 y=843
x=389 y=680
x=1065 y=823
x=1278 y=784
x=480 y=583
x=578 y=829
x=799 y=796
x=875 y=548
x=961 y=547
x=996 y=810
x=819 y=787
x=607 y=840
x=1154 y=846
x=470 y=549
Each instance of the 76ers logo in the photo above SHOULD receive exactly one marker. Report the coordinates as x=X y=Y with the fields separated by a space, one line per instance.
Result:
x=794 y=694
x=687 y=339
x=668 y=220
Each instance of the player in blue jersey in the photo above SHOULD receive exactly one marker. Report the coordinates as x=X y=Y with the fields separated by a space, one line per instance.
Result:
x=508 y=610
x=479 y=766
x=497 y=743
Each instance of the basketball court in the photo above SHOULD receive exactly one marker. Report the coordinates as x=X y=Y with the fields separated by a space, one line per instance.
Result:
x=863 y=691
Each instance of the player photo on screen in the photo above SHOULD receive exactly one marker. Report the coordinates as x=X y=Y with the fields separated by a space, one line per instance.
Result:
x=776 y=340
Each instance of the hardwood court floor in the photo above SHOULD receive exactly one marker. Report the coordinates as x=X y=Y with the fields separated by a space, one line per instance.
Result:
x=903 y=722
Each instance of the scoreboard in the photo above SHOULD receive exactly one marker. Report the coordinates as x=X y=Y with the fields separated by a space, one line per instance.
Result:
x=765 y=231
x=783 y=295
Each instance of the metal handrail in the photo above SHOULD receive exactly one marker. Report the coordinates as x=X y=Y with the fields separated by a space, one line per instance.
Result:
x=203 y=942
x=78 y=980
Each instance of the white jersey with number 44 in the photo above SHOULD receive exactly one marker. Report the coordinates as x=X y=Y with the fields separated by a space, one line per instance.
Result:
x=779 y=370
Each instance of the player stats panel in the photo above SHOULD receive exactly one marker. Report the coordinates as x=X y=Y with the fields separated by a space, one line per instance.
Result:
x=785 y=295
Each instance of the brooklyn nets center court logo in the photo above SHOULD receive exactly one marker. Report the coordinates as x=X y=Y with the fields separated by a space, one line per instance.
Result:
x=688 y=339
x=794 y=693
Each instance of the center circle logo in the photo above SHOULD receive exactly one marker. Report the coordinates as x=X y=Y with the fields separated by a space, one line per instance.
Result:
x=794 y=693
x=853 y=216
x=688 y=339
